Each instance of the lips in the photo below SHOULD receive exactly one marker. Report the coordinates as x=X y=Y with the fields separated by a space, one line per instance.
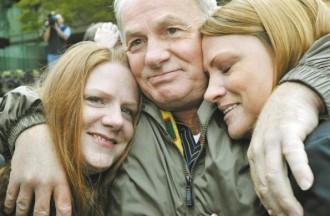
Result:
x=227 y=108
x=166 y=76
x=103 y=140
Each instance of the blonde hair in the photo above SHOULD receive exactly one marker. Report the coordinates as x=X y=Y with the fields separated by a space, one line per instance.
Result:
x=289 y=26
x=62 y=95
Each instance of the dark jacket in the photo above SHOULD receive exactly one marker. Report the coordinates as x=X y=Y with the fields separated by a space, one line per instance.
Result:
x=316 y=200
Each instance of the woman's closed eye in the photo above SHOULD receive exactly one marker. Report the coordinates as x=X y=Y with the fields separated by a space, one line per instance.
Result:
x=226 y=70
x=225 y=66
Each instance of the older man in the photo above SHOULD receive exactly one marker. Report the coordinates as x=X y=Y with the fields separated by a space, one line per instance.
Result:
x=182 y=161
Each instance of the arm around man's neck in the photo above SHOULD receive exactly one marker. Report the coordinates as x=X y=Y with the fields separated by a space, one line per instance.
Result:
x=289 y=115
x=36 y=170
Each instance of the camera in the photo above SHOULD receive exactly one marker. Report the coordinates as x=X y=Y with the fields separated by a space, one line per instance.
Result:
x=52 y=19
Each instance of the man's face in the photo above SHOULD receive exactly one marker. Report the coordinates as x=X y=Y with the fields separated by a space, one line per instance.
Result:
x=60 y=19
x=164 y=51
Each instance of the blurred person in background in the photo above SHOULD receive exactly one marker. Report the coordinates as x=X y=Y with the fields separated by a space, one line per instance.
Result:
x=56 y=34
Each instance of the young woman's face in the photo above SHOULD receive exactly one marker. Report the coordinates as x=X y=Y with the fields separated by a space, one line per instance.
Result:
x=110 y=106
x=241 y=76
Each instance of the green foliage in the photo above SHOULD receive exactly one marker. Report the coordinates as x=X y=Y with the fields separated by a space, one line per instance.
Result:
x=222 y=2
x=75 y=12
x=7 y=3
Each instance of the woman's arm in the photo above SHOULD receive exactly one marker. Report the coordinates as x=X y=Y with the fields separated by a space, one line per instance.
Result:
x=290 y=114
x=35 y=169
x=20 y=109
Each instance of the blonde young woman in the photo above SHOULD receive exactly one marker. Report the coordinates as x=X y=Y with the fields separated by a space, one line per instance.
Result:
x=248 y=46
x=91 y=120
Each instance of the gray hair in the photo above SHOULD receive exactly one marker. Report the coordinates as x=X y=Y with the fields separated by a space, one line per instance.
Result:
x=207 y=7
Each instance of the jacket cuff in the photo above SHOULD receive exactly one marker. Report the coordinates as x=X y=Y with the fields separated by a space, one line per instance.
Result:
x=23 y=124
x=315 y=79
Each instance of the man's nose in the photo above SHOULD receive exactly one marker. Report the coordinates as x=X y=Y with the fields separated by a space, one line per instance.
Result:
x=157 y=52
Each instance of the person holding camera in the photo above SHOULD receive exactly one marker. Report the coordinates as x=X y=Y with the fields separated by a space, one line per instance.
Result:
x=57 y=35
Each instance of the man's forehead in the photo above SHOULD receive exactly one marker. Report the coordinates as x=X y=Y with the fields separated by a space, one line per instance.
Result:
x=158 y=10
x=156 y=21
x=159 y=22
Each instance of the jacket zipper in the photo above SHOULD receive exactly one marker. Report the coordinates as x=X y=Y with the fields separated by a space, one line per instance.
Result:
x=188 y=174
x=203 y=137
x=189 y=197
x=189 y=179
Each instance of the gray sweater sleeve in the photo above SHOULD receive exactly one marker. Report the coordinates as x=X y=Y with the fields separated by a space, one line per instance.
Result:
x=20 y=109
x=313 y=70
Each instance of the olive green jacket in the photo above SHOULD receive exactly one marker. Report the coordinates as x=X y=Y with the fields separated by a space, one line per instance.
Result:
x=155 y=179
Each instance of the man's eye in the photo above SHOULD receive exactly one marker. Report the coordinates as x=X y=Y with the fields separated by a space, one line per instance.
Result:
x=136 y=42
x=172 y=30
x=136 y=45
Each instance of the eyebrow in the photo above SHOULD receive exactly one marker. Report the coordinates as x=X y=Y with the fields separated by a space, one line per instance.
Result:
x=168 y=19
x=223 y=54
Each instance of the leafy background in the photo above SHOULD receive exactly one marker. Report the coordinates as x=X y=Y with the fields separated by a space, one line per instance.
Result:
x=32 y=16
x=76 y=12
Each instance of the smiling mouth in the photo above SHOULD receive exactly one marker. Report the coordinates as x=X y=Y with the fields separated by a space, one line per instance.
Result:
x=102 y=139
x=229 y=109
x=163 y=77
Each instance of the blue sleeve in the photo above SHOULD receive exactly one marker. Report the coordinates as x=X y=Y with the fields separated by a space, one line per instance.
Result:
x=67 y=31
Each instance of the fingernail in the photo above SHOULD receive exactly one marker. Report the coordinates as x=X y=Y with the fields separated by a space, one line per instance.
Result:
x=305 y=184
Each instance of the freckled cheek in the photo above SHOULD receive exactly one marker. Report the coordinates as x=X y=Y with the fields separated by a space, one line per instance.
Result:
x=90 y=116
